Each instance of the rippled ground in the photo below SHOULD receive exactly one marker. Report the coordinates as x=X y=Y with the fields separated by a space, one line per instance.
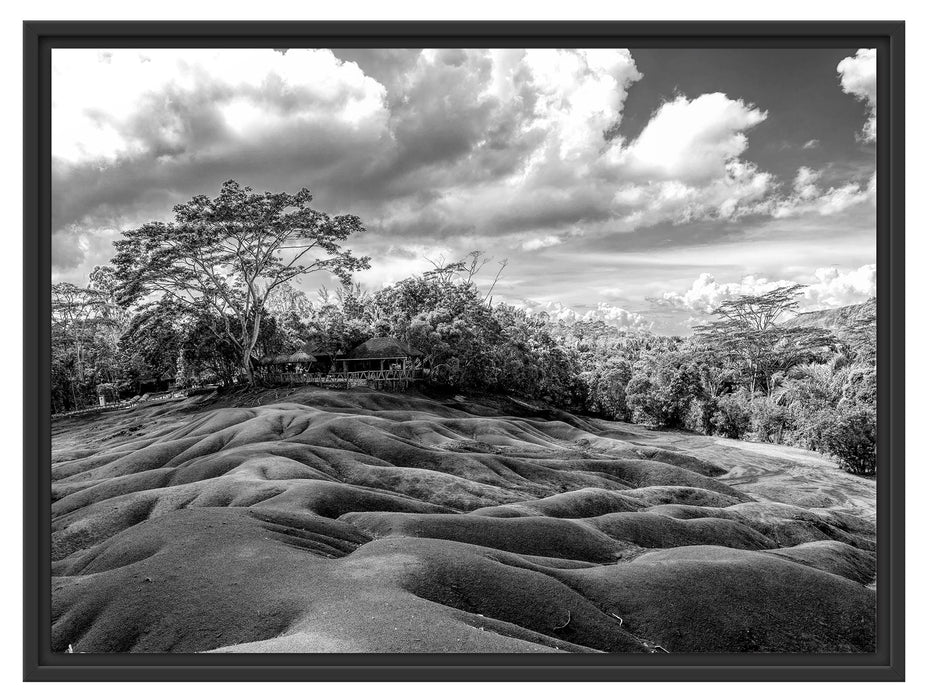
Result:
x=359 y=521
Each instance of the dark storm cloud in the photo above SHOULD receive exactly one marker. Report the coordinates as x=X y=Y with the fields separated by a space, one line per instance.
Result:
x=182 y=144
x=67 y=252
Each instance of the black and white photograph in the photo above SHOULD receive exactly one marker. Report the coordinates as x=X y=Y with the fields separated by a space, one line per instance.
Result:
x=464 y=350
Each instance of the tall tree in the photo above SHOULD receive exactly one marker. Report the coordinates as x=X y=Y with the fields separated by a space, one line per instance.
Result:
x=76 y=312
x=230 y=253
x=85 y=331
x=748 y=332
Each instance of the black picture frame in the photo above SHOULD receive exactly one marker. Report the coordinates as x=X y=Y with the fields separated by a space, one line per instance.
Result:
x=887 y=663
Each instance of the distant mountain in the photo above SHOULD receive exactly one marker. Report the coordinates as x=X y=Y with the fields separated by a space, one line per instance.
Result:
x=841 y=321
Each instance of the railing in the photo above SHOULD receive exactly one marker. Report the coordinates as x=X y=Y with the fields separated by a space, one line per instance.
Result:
x=377 y=378
x=162 y=397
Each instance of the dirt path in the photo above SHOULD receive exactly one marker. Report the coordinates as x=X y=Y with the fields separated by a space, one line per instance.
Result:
x=792 y=475
x=772 y=472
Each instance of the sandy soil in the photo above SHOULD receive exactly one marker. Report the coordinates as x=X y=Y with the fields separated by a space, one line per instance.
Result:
x=775 y=472
x=357 y=521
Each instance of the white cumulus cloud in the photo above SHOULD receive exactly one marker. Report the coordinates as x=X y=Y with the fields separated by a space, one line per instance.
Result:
x=685 y=165
x=706 y=293
x=400 y=262
x=615 y=316
x=808 y=196
x=108 y=105
x=691 y=141
x=835 y=288
x=826 y=287
x=541 y=242
x=608 y=313
x=578 y=95
x=858 y=78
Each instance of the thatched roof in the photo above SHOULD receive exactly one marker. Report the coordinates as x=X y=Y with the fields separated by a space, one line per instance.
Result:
x=311 y=352
x=274 y=359
x=383 y=348
x=301 y=356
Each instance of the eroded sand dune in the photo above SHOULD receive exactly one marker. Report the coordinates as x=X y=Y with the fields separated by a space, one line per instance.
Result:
x=366 y=522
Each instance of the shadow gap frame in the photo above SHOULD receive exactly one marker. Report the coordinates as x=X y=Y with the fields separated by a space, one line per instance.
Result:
x=887 y=663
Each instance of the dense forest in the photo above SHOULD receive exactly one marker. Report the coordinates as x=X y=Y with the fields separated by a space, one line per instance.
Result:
x=195 y=302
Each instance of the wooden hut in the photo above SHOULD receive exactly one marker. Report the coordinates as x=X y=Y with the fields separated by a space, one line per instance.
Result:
x=381 y=354
x=309 y=358
x=379 y=362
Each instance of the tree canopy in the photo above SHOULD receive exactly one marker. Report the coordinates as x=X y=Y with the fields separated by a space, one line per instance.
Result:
x=229 y=253
x=748 y=331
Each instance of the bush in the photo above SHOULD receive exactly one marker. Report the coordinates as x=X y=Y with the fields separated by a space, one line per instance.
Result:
x=642 y=399
x=732 y=417
x=768 y=420
x=701 y=415
x=662 y=393
x=851 y=437
x=607 y=390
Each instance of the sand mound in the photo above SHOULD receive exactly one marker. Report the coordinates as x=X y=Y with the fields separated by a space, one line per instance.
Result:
x=574 y=504
x=656 y=531
x=786 y=525
x=358 y=521
x=564 y=539
x=705 y=599
x=833 y=557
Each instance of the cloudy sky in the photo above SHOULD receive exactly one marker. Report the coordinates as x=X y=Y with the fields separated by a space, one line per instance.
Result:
x=643 y=187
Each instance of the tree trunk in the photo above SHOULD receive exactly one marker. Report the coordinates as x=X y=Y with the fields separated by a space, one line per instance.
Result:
x=247 y=366
x=249 y=339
